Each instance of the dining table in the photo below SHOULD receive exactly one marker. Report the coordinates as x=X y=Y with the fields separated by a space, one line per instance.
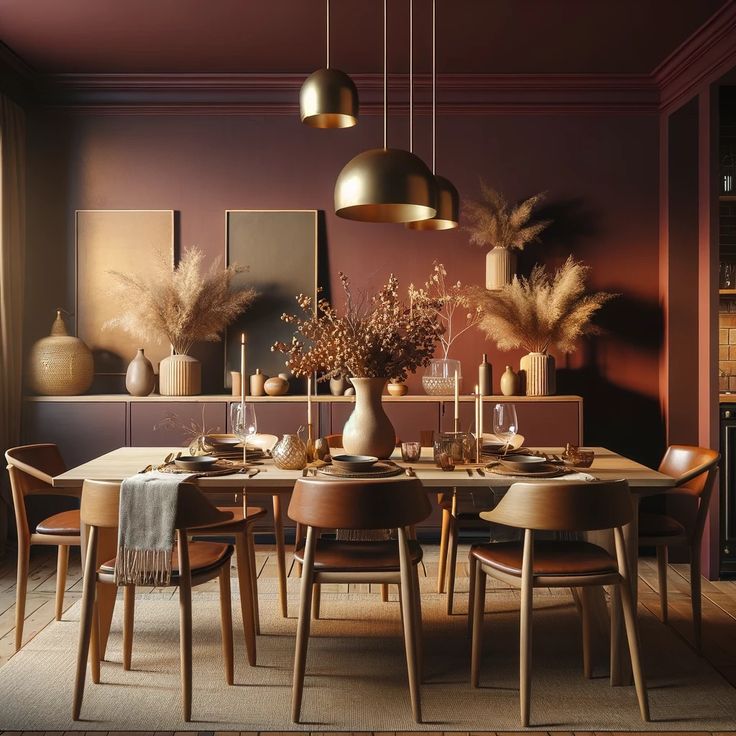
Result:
x=270 y=481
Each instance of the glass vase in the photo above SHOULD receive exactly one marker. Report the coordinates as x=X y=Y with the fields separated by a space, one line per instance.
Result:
x=439 y=378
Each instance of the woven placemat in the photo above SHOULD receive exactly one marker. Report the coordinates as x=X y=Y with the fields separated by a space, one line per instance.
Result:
x=221 y=467
x=551 y=473
x=384 y=471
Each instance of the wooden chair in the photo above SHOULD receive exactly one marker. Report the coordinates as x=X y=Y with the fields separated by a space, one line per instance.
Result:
x=556 y=506
x=31 y=469
x=192 y=564
x=380 y=504
x=695 y=469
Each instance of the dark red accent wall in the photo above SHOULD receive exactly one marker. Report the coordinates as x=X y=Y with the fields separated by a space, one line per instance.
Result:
x=600 y=173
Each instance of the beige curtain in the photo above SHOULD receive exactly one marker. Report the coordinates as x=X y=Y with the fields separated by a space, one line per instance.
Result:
x=12 y=272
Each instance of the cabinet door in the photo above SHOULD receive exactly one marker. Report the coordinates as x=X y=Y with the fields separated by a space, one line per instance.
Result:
x=285 y=417
x=163 y=424
x=409 y=418
x=83 y=430
x=543 y=423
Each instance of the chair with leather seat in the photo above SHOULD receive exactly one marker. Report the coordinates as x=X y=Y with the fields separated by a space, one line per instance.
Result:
x=393 y=504
x=694 y=469
x=193 y=563
x=559 y=507
x=31 y=469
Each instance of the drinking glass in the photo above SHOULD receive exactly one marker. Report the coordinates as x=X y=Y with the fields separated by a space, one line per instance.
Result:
x=244 y=424
x=411 y=451
x=505 y=422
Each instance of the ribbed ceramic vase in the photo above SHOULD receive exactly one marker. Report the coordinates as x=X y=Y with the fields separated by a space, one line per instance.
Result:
x=368 y=430
x=140 y=378
x=179 y=375
x=538 y=374
x=500 y=267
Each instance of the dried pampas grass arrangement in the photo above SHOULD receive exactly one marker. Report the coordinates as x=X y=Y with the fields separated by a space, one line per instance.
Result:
x=182 y=306
x=495 y=223
x=541 y=311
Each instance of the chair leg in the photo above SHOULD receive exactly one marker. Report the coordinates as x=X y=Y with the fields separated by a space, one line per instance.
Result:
x=185 y=625
x=302 y=629
x=662 y=581
x=85 y=624
x=94 y=645
x=253 y=580
x=21 y=587
x=226 y=623
x=384 y=592
x=525 y=639
x=451 y=564
x=62 y=565
x=128 y=623
x=316 y=600
x=418 y=628
x=586 y=616
x=478 y=582
x=617 y=665
x=697 y=603
x=278 y=530
x=444 y=537
x=632 y=634
x=472 y=562
x=409 y=618
x=247 y=609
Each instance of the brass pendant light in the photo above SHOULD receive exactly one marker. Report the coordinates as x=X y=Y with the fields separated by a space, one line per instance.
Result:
x=385 y=184
x=448 y=200
x=328 y=98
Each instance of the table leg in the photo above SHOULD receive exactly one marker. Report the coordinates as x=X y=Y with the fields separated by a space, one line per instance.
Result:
x=278 y=529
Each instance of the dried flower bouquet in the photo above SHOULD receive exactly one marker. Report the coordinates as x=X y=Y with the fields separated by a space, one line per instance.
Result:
x=379 y=337
x=182 y=306
x=541 y=311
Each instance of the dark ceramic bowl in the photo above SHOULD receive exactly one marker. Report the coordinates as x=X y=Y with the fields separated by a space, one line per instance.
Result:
x=524 y=463
x=354 y=463
x=195 y=462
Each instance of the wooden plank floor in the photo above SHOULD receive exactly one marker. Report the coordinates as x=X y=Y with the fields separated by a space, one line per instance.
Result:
x=719 y=616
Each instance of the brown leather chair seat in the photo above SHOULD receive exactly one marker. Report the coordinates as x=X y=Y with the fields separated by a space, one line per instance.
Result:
x=65 y=524
x=550 y=558
x=659 y=525
x=239 y=517
x=331 y=554
x=203 y=556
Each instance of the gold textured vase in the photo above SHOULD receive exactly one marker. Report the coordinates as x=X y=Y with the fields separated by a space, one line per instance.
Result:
x=180 y=375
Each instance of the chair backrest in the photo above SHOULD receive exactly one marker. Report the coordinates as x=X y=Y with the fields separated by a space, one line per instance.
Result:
x=333 y=440
x=359 y=504
x=691 y=466
x=32 y=468
x=564 y=506
x=101 y=504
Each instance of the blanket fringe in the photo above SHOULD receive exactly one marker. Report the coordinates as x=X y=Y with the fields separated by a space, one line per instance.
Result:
x=143 y=567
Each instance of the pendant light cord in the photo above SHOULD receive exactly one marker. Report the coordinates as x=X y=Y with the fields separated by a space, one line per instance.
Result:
x=328 y=34
x=385 y=80
x=411 y=76
x=434 y=84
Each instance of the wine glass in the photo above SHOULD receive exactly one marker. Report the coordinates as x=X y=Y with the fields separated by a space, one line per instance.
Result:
x=505 y=423
x=243 y=423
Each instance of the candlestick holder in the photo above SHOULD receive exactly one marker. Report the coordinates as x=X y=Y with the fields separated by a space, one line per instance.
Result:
x=311 y=455
x=456 y=424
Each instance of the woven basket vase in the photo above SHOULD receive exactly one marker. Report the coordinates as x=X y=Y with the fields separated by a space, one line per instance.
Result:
x=60 y=365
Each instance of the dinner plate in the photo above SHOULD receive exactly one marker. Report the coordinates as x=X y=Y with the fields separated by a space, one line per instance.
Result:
x=195 y=462
x=379 y=470
x=523 y=463
x=354 y=463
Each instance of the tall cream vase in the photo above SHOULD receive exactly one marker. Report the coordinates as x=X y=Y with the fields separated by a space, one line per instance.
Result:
x=180 y=375
x=538 y=374
x=500 y=267
x=368 y=430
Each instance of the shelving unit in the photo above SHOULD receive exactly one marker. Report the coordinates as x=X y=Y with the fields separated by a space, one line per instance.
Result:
x=727 y=292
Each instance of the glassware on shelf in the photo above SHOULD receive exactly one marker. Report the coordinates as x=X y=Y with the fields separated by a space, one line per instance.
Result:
x=439 y=378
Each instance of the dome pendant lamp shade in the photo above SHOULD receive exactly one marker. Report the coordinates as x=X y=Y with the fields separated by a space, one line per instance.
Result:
x=448 y=200
x=328 y=98
x=385 y=184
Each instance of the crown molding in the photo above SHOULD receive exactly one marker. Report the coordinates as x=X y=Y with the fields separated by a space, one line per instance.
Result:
x=700 y=60
x=16 y=77
x=278 y=94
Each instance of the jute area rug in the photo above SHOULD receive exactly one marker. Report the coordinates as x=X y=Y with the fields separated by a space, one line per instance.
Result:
x=356 y=674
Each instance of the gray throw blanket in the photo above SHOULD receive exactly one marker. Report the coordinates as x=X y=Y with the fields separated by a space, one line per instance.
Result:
x=148 y=504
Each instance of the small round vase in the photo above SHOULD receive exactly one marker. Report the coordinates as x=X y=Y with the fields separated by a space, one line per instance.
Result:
x=338 y=385
x=140 y=378
x=509 y=383
x=179 y=375
x=276 y=386
x=500 y=267
x=538 y=374
x=368 y=430
x=289 y=453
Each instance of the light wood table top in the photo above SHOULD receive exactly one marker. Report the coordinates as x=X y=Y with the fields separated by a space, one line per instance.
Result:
x=127 y=461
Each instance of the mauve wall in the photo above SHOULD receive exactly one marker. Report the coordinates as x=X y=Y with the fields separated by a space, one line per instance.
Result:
x=600 y=172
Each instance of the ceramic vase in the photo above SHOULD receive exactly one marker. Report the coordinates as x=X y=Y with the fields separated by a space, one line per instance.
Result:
x=338 y=385
x=257 y=382
x=500 y=267
x=509 y=382
x=179 y=375
x=60 y=365
x=140 y=378
x=276 y=386
x=368 y=430
x=538 y=374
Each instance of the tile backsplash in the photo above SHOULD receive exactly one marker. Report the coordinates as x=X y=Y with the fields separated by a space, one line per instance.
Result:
x=727 y=345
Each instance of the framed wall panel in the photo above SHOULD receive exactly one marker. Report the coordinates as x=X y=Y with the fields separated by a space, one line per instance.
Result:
x=116 y=240
x=279 y=247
